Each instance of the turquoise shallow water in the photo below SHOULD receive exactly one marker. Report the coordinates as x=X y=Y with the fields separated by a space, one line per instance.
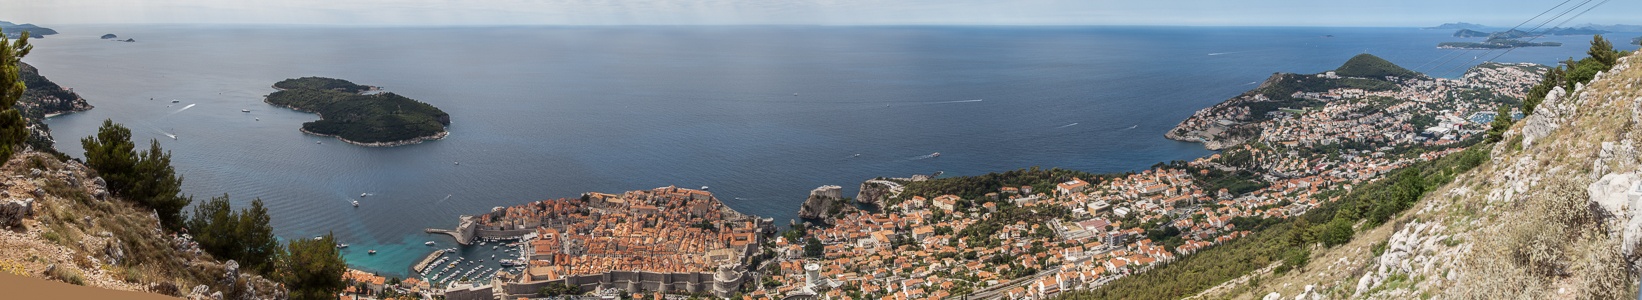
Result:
x=760 y=114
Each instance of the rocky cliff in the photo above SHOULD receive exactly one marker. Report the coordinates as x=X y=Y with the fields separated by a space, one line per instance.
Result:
x=823 y=203
x=1555 y=214
x=876 y=191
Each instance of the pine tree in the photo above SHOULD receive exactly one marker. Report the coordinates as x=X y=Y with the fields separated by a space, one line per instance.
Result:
x=1602 y=51
x=1502 y=123
x=257 y=237
x=13 y=130
x=157 y=186
x=314 y=269
x=112 y=154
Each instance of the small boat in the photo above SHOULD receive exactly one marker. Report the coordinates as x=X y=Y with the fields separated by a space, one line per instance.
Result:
x=936 y=154
x=258 y=119
x=318 y=142
x=493 y=248
x=457 y=163
x=316 y=238
x=372 y=252
x=703 y=187
x=429 y=243
x=356 y=204
x=340 y=246
x=244 y=110
x=362 y=195
x=175 y=101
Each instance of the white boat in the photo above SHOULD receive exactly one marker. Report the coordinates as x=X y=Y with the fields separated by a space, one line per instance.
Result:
x=175 y=101
x=362 y=195
x=340 y=246
x=244 y=110
x=936 y=154
x=372 y=252
x=356 y=204
x=429 y=243
x=703 y=187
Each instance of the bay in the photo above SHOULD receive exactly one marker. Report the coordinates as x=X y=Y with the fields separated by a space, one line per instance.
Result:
x=760 y=114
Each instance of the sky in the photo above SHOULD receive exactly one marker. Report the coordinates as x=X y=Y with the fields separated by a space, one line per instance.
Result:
x=1377 y=13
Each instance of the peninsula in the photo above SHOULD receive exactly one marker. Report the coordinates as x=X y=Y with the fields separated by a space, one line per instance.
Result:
x=360 y=114
x=14 y=30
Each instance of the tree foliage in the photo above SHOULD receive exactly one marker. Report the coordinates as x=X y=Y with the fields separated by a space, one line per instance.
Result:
x=244 y=236
x=320 y=83
x=13 y=130
x=1602 y=51
x=813 y=248
x=146 y=178
x=313 y=269
x=1369 y=66
x=1502 y=123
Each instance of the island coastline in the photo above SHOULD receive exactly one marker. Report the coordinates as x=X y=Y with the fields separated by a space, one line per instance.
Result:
x=317 y=95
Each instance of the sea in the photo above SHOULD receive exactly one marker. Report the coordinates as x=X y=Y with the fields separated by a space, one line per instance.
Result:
x=760 y=114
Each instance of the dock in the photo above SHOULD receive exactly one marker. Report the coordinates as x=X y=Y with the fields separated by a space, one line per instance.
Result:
x=428 y=260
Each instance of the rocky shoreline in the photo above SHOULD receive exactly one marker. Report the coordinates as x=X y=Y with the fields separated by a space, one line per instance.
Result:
x=443 y=132
x=437 y=136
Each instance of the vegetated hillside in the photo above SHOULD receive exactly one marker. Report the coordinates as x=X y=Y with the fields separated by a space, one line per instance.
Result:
x=1369 y=66
x=321 y=83
x=43 y=98
x=14 y=30
x=384 y=119
x=1555 y=213
x=75 y=232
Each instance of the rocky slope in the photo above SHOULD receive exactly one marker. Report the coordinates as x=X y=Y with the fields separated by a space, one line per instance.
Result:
x=1556 y=214
x=60 y=223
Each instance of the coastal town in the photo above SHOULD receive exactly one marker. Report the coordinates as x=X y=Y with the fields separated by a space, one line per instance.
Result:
x=1029 y=240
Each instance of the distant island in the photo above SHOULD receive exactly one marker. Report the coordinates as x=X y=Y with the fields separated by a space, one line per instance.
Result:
x=359 y=114
x=14 y=30
x=1510 y=38
x=1495 y=43
x=1459 y=25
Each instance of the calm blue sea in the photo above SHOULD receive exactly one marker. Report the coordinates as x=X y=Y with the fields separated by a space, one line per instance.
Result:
x=760 y=114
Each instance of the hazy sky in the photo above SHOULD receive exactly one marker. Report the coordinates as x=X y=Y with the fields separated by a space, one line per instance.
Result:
x=1502 y=13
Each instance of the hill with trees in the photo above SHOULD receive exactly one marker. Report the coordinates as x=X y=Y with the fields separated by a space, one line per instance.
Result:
x=1369 y=66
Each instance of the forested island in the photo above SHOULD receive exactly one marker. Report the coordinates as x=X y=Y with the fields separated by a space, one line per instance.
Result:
x=357 y=114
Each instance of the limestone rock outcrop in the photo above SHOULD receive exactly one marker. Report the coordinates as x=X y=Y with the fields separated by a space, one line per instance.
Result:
x=822 y=203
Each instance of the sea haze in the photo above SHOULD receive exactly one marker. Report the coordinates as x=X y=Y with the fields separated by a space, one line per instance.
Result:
x=760 y=114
